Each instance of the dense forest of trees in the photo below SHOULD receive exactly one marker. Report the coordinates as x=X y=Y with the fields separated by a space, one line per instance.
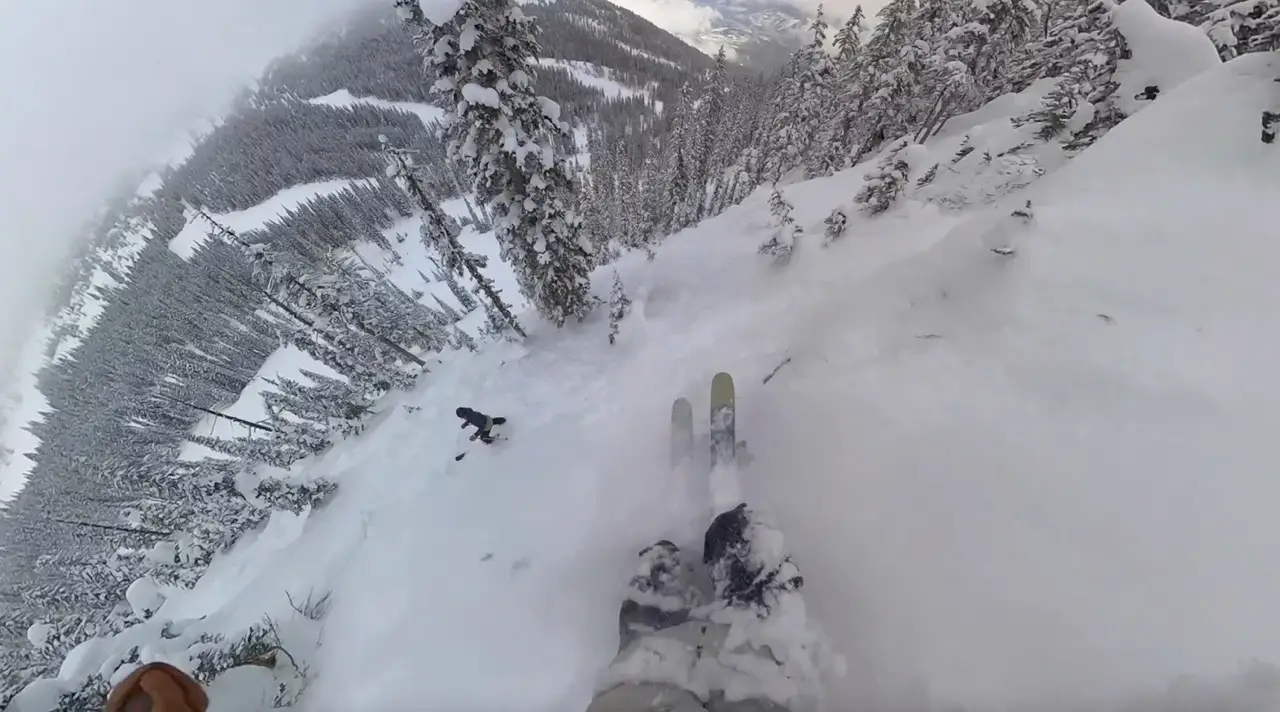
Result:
x=110 y=500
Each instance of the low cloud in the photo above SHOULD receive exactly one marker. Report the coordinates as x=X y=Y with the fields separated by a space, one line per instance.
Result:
x=92 y=89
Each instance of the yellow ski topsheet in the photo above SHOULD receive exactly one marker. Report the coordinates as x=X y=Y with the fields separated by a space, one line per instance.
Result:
x=721 y=390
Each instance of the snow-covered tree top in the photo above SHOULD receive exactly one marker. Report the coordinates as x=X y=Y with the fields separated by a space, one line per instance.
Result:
x=435 y=11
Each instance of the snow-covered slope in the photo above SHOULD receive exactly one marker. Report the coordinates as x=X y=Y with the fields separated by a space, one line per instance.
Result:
x=1039 y=481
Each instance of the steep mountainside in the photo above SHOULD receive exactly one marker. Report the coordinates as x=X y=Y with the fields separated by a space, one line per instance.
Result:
x=157 y=325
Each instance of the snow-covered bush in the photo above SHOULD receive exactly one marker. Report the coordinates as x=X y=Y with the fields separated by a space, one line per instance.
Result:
x=883 y=186
x=786 y=232
x=619 y=306
x=835 y=226
x=294 y=497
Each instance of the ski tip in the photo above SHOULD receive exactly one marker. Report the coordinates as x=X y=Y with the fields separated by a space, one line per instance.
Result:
x=722 y=389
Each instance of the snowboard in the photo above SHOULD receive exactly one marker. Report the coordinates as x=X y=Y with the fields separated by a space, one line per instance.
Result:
x=681 y=431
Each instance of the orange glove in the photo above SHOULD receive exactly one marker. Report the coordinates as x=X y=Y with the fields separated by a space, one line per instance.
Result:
x=157 y=687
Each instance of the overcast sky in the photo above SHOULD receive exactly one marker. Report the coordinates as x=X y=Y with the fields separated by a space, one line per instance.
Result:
x=92 y=88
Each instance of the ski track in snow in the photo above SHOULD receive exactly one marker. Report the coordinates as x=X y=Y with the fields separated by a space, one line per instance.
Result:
x=1036 y=507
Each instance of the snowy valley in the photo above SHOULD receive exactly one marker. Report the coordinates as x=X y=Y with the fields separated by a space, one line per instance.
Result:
x=1002 y=353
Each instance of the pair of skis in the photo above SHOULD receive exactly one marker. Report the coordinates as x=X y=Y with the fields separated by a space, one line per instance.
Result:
x=724 y=457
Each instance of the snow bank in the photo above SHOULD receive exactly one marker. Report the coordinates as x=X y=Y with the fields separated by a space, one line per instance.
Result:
x=144 y=597
x=1166 y=53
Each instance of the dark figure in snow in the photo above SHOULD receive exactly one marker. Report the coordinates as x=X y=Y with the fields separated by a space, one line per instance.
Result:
x=482 y=422
x=675 y=651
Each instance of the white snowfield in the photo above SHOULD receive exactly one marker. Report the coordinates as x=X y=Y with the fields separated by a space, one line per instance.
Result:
x=426 y=113
x=196 y=231
x=1044 y=481
x=593 y=76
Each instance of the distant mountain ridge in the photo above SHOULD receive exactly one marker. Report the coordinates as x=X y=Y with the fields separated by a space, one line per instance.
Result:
x=762 y=34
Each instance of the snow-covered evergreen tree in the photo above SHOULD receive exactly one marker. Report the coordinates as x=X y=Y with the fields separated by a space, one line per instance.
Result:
x=1092 y=57
x=325 y=305
x=619 y=306
x=508 y=138
x=834 y=143
x=331 y=407
x=294 y=496
x=1239 y=26
x=677 y=181
x=816 y=92
x=785 y=139
x=848 y=39
x=710 y=127
x=893 y=63
x=462 y=340
x=1058 y=106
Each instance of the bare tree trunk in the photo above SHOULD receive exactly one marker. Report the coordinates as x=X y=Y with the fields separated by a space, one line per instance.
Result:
x=110 y=527
x=232 y=418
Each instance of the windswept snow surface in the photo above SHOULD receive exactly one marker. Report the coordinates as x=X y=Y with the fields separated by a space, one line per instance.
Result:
x=1038 y=482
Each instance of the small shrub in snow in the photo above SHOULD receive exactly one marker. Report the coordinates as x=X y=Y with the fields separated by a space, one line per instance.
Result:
x=259 y=646
x=619 y=306
x=313 y=607
x=1057 y=108
x=294 y=497
x=883 y=186
x=928 y=176
x=786 y=232
x=835 y=223
x=462 y=340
